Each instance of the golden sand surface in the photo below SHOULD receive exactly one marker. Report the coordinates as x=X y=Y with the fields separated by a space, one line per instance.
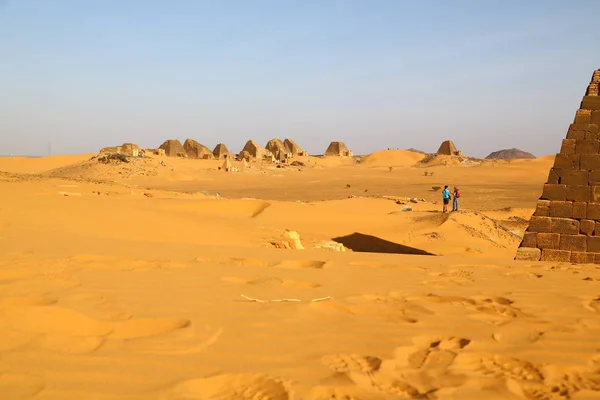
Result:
x=158 y=279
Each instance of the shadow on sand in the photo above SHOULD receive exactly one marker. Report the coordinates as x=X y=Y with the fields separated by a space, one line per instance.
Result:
x=371 y=244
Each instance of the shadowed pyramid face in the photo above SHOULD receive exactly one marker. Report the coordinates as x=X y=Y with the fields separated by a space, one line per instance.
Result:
x=566 y=223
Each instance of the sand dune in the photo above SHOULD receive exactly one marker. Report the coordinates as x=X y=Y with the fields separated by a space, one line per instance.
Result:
x=136 y=281
x=36 y=165
x=392 y=158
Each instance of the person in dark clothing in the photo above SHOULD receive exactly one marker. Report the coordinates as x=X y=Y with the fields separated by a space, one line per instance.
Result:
x=456 y=196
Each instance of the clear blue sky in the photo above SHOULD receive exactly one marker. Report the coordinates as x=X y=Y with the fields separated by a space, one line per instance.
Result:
x=488 y=74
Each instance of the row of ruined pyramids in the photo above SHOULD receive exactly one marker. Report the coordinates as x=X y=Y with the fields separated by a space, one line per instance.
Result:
x=565 y=226
x=275 y=147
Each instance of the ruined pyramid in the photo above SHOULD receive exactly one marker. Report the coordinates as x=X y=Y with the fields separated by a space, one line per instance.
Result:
x=565 y=226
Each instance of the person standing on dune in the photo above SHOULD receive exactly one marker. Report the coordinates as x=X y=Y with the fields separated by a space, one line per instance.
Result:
x=456 y=196
x=446 y=198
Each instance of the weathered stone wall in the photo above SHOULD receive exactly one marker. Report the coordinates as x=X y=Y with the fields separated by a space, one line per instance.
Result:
x=566 y=223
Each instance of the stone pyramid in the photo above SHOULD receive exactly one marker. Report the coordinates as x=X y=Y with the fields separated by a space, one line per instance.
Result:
x=448 y=148
x=565 y=226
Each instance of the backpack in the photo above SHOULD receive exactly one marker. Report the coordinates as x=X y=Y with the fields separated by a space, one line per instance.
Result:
x=457 y=195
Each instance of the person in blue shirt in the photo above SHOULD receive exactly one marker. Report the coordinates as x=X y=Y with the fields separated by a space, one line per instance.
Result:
x=446 y=198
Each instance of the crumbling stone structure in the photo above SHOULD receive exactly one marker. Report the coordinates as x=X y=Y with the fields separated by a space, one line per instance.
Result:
x=194 y=149
x=338 y=149
x=293 y=148
x=565 y=226
x=220 y=151
x=173 y=148
x=255 y=151
x=449 y=149
x=278 y=149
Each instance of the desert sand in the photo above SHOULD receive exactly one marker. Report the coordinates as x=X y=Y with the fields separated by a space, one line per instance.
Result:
x=157 y=279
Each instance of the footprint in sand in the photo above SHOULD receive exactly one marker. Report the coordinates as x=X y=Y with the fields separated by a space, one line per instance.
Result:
x=528 y=380
x=363 y=371
x=343 y=363
x=515 y=334
x=497 y=366
x=232 y=386
x=430 y=352
x=492 y=307
x=457 y=273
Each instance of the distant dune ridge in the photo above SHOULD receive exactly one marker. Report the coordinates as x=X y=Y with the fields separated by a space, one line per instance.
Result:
x=509 y=154
x=392 y=158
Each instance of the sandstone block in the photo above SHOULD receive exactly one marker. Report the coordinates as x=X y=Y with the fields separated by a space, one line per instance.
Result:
x=578 y=193
x=528 y=254
x=529 y=239
x=593 y=244
x=595 y=117
x=568 y=146
x=578 y=257
x=573 y=242
x=565 y=226
x=594 y=194
x=548 y=240
x=592 y=136
x=543 y=208
x=554 y=176
x=576 y=131
x=540 y=224
x=578 y=177
x=594 y=178
x=587 y=227
x=580 y=131
x=583 y=146
x=580 y=210
x=589 y=162
x=590 y=103
x=567 y=161
x=593 y=211
x=554 y=192
x=593 y=89
x=596 y=258
x=562 y=209
x=556 y=255
x=596 y=228
x=582 y=117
